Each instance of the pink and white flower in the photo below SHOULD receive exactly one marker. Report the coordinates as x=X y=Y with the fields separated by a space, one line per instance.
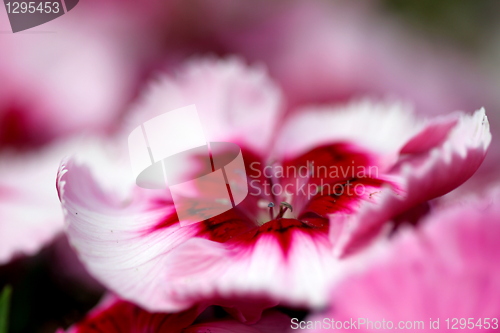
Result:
x=256 y=256
x=445 y=269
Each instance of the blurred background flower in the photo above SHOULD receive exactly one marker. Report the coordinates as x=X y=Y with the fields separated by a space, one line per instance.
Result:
x=116 y=316
x=78 y=76
x=446 y=269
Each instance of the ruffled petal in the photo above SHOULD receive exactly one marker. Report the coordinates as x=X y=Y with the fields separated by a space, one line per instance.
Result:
x=440 y=168
x=284 y=261
x=115 y=237
x=235 y=103
x=381 y=128
x=422 y=176
x=418 y=159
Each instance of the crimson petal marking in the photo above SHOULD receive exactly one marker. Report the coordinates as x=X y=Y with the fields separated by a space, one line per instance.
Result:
x=118 y=316
x=282 y=229
x=113 y=315
x=230 y=223
x=271 y=322
x=336 y=169
x=225 y=226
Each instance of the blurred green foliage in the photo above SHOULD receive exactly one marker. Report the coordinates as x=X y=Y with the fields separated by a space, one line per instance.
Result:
x=465 y=22
x=4 y=308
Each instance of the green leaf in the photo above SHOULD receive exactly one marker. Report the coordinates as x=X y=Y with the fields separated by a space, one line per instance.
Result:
x=4 y=308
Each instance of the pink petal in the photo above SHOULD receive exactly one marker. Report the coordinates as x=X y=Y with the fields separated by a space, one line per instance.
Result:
x=432 y=136
x=113 y=237
x=420 y=159
x=380 y=128
x=235 y=103
x=30 y=213
x=284 y=261
x=116 y=316
x=439 y=170
x=447 y=269
x=271 y=321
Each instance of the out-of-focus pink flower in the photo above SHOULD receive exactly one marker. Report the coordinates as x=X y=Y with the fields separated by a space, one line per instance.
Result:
x=137 y=248
x=29 y=213
x=74 y=73
x=114 y=315
x=444 y=271
x=328 y=51
x=331 y=51
x=69 y=76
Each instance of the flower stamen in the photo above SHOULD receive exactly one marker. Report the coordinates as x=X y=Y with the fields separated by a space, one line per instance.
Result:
x=284 y=206
x=271 y=210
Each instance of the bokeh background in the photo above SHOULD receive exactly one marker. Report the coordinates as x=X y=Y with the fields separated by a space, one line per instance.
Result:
x=81 y=73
